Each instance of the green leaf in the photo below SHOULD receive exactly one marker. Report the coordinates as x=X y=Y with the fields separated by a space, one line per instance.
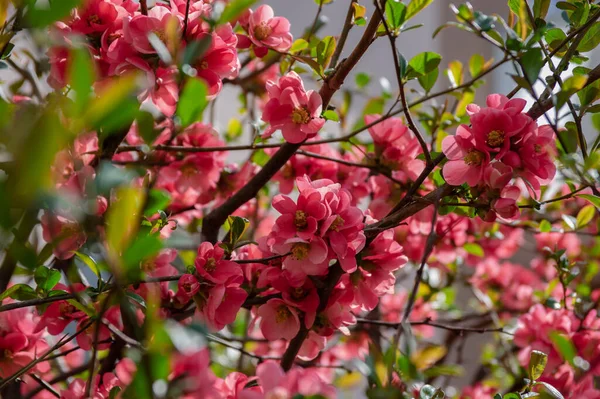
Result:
x=44 y=13
x=89 y=261
x=515 y=6
x=511 y=395
x=540 y=8
x=395 y=12
x=331 y=115
x=237 y=228
x=325 y=50
x=532 y=62
x=260 y=157
x=476 y=64
x=192 y=102
x=143 y=247
x=564 y=346
x=545 y=226
x=234 y=9
x=591 y=39
x=591 y=199
x=298 y=45
x=157 y=200
x=422 y=64
x=362 y=79
x=46 y=278
x=537 y=364
x=554 y=37
x=428 y=81
x=145 y=127
x=571 y=86
x=415 y=7
x=81 y=78
x=196 y=49
x=21 y=292
x=585 y=215
x=455 y=73
x=123 y=220
x=473 y=249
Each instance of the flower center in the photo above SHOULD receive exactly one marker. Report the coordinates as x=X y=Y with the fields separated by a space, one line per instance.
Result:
x=300 y=116
x=288 y=171
x=337 y=223
x=298 y=293
x=300 y=251
x=474 y=157
x=204 y=65
x=495 y=138
x=94 y=19
x=6 y=354
x=161 y=35
x=537 y=148
x=66 y=308
x=262 y=31
x=210 y=265
x=300 y=220
x=282 y=314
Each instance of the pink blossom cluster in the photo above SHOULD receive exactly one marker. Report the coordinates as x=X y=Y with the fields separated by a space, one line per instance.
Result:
x=214 y=286
x=502 y=143
x=536 y=326
x=292 y=109
x=121 y=41
x=72 y=172
x=265 y=31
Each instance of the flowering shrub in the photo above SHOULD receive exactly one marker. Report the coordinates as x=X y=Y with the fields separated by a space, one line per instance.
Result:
x=138 y=260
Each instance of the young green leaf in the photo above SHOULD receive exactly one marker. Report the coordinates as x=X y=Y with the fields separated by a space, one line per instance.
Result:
x=537 y=364
x=585 y=216
x=192 y=102
x=422 y=64
x=415 y=7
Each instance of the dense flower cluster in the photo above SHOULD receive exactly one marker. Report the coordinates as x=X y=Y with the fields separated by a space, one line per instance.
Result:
x=502 y=143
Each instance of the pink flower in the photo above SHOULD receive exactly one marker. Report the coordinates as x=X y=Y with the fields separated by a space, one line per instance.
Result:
x=267 y=31
x=65 y=235
x=137 y=29
x=211 y=266
x=278 y=320
x=306 y=258
x=534 y=330
x=275 y=383
x=293 y=110
x=220 y=61
x=299 y=218
x=495 y=127
x=222 y=306
x=466 y=159
x=97 y=16
x=506 y=206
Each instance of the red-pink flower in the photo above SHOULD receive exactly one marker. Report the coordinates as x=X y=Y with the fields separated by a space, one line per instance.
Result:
x=466 y=159
x=300 y=218
x=267 y=31
x=211 y=266
x=222 y=305
x=292 y=109
x=97 y=16
x=278 y=320
x=138 y=28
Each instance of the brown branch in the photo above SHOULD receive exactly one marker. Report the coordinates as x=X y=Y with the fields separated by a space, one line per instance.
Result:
x=344 y=35
x=432 y=323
